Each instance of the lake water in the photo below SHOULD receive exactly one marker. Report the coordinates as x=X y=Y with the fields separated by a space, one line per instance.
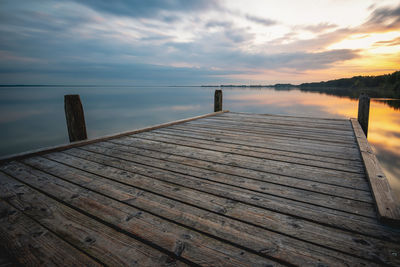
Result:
x=33 y=117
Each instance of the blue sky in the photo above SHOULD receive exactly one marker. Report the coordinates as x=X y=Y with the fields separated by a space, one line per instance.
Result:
x=188 y=42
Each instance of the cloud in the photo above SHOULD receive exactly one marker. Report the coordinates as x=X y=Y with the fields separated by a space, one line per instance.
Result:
x=262 y=21
x=393 y=42
x=382 y=19
x=218 y=24
x=237 y=35
x=300 y=60
x=323 y=26
x=149 y=8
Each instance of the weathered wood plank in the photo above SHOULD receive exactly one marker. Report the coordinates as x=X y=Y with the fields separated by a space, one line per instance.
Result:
x=227 y=141
x=340 y=126
x=306 y=211
x=203 y=169
x=344 y=179
x=344 y=122
x=309 y=126
x=385 y=199
x=172 y=206
x=246 y=151
x=276 y=133
x=219 y=169
x=104 y=138
x=184 y=242
x=348 y=152
x=288 y=144
x=109 y=246
x=263 y=125
x=268 y=129
x=30 y=244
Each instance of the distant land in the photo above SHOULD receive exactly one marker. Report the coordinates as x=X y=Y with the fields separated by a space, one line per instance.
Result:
x=381 y=86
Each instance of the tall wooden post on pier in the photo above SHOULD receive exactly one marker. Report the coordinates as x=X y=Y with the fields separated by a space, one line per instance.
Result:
x=218 y=100
x=75 y=118
x=363 y=112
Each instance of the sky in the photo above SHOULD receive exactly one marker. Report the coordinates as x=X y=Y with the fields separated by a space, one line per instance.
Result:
x=196 y=42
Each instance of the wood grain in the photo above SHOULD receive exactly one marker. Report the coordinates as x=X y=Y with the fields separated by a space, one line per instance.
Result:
x=247 y=151
x=107 y=245
x=387 y=204
x=221 y=140
x=149 y=194
x=317 y=214
x=188 y=244
x=30 y=244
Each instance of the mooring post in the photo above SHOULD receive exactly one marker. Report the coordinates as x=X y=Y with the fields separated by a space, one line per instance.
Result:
x=218 y=100
x=75 y=118
x=363 y=112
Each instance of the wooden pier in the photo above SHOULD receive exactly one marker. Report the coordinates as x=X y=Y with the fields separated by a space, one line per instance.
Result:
x=224 y=189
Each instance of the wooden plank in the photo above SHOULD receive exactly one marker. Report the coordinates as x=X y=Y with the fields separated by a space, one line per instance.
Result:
x=301 y=127
x=275 y=143
x=30 y=244
x=103 y=138
x=278 y=133
x=274 y=184
x=306 y=211
x=245 y=151
x=348 y=151
x=186 y=243
x=310 y=126
x=226 y=141
x=275 y=139
x=103 y=243
x=363 y=195
x=387 y=204
x=344 y=179
x=329 y=201
x=124 y=189
x=330 y=121
x=343 y=126
x=266 y=126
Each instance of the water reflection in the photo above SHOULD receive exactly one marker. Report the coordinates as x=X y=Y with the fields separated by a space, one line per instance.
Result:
x=33 y=118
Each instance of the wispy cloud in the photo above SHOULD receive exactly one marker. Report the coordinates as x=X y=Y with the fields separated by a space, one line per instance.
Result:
x=383 y=19
x=320 y=27
x=393 y=42
x=149 y=8
x=260 y=20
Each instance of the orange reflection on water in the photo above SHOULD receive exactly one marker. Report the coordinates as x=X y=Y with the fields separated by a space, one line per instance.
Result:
x=332 y=106
x=384 y=127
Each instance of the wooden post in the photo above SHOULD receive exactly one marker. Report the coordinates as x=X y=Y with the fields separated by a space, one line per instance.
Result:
x=363 y=112
x=218 y=100
x=75 y=118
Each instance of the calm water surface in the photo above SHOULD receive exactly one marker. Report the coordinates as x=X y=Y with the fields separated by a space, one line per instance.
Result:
x=33 y=117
